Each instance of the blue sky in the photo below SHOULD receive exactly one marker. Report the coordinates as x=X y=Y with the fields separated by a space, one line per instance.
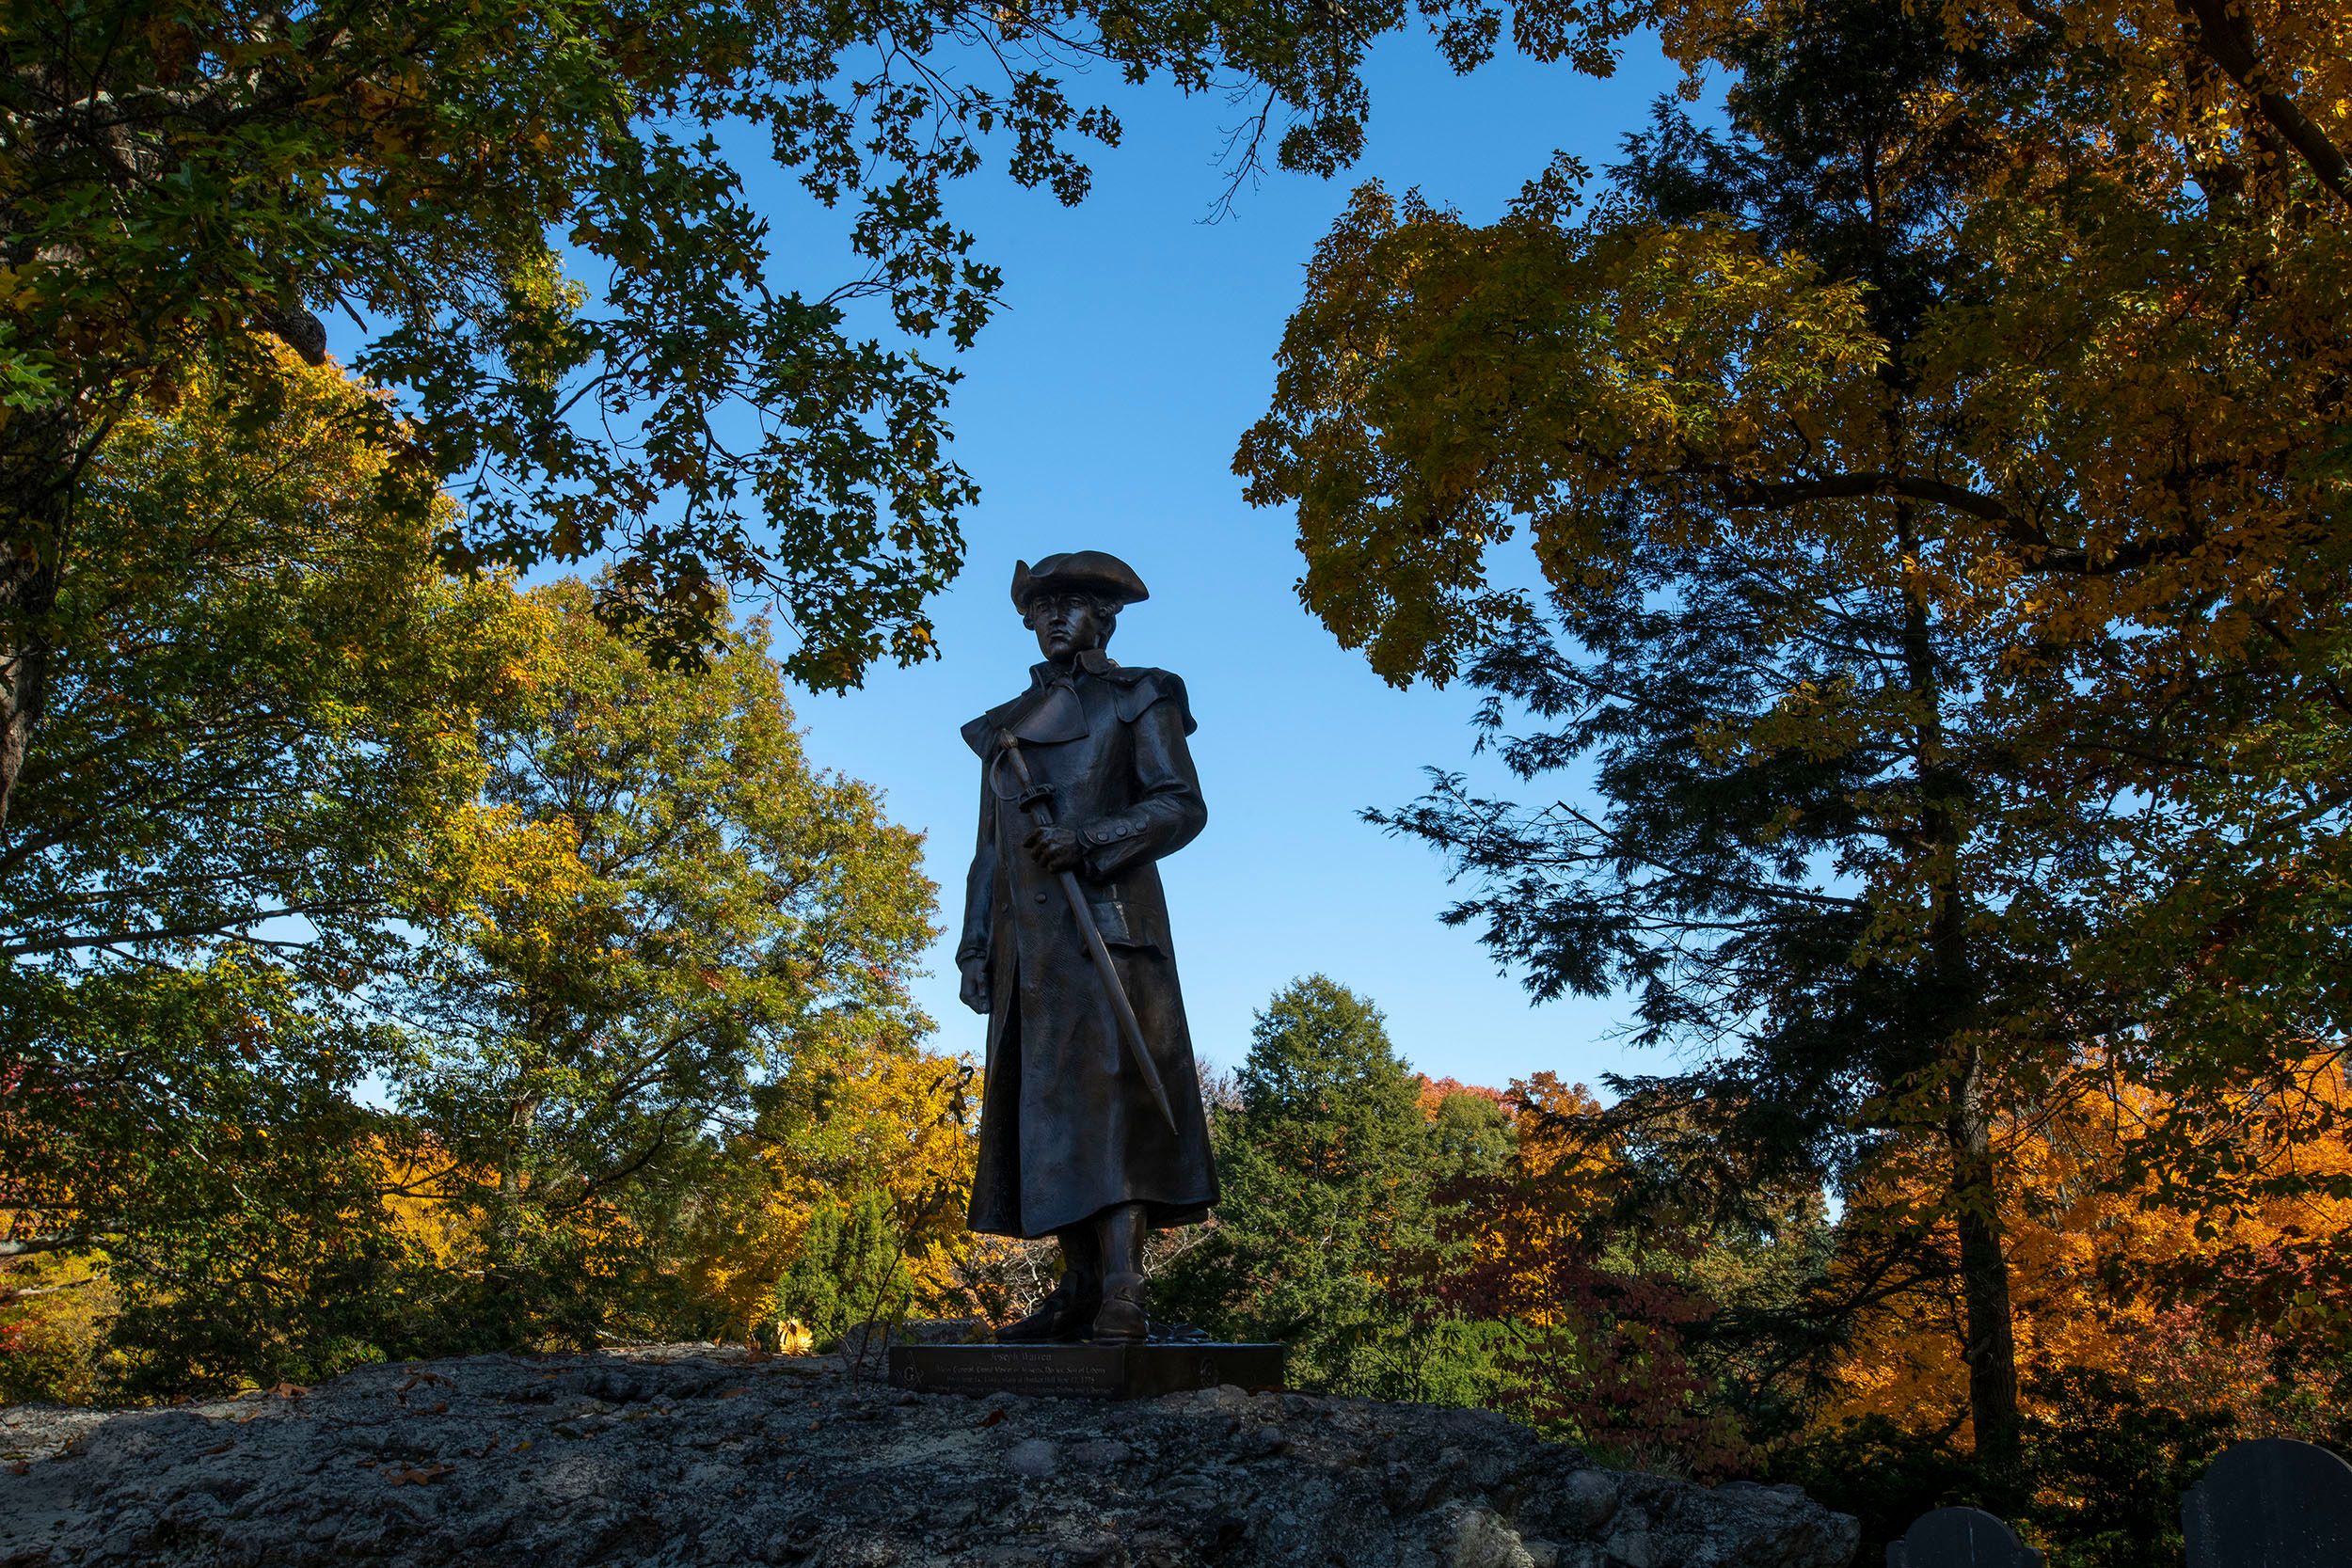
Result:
x=1100 y=411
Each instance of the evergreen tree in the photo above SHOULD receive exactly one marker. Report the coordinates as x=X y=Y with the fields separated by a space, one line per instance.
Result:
x=850 y=1268
x=1471 y=1135
x=1326 y=1167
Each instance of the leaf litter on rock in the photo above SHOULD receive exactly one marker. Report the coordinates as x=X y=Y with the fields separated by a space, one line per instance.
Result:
x=420 y=1476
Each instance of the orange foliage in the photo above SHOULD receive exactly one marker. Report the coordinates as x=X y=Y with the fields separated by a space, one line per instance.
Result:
x=1594 y=1308
x=2117 y=1282
x=1434 y=1092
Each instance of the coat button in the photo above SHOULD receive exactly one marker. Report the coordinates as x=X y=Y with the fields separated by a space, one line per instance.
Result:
x=1041 y=898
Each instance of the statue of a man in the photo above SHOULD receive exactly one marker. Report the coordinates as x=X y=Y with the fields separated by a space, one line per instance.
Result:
x=1091 y=1130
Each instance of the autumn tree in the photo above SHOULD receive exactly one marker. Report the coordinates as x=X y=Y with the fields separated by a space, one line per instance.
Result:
x=1617 y=1320
x=264 y=697
x=2137 y=1362
x=262 y=743
x=844 y=1197
x=1900 y=541
x=1807 y=864
x=188 y=1139
x=291 y=766
x=703 y=909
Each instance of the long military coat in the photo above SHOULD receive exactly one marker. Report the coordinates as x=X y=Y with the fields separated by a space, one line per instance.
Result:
x=1067 y=1125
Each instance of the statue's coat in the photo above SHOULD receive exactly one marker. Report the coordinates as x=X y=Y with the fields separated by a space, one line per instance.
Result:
x=1067 y=1125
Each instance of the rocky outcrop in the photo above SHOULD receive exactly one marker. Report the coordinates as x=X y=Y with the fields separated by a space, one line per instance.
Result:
x=689 y=1454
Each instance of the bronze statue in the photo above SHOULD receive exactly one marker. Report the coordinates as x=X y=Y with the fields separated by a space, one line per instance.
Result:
x=1091 y=1130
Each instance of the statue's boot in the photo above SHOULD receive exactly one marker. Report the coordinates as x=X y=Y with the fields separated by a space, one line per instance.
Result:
x=1071 y=1307
x=1060 y=1317
x=1122 y=1318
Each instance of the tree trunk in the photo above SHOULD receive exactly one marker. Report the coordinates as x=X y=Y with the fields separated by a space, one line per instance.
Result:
x=507 y=1228
x=36 y=470
x=1973 y=1188
x=25 y=653
x=1991 y=1348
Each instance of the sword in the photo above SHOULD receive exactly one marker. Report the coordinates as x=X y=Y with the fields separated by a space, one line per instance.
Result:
x=1038 y=801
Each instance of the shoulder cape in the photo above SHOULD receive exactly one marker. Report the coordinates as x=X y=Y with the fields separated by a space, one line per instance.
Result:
x=1048 y=716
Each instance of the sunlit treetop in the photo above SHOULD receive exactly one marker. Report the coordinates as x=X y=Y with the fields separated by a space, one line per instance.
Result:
x=2115 y=337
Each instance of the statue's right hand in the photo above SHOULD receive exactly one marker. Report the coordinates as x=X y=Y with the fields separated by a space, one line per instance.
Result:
x=976 y=986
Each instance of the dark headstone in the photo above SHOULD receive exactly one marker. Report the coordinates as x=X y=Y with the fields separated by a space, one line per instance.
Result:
x=2270 y=1503
x=1084 y=1371
x=1959 y=1538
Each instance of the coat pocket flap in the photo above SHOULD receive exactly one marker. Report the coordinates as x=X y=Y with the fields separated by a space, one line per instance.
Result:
x=1121 y=925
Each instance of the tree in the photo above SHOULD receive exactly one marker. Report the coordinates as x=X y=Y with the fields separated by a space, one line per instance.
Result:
x=2115 y=1284
x=529 y=207
x=1935 y=471
x=1325 y=1169
x=1471 y=1129
x=262 y=753
x=292 y=767
x=702 y=910
x=849 y=1268
x=1627 y=1314
x=264 y=696
x=2136 y=1364
x=262 y=745
x=889 y=1130
x=1807 y=864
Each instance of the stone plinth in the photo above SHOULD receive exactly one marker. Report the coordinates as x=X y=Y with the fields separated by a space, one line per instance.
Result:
x=1085 y=1371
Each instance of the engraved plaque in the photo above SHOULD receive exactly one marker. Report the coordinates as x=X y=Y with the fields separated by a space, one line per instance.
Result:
x=1084 y=1371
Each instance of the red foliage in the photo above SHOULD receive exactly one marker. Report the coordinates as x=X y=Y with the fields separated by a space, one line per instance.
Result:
x=1594 y=1309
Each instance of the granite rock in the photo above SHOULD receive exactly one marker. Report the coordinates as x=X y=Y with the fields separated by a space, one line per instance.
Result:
x=693 y=1454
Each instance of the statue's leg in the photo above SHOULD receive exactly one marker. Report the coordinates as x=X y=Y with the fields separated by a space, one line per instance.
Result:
x=1065 y=1313
x=1122 y=1320
x=1082 y=1260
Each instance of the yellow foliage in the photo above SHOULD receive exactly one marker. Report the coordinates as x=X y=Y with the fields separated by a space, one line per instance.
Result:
x=417 y=1185
x=53 y=1318
x=895 y=1122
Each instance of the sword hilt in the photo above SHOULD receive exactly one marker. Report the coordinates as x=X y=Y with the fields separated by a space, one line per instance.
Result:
x=1033 y=794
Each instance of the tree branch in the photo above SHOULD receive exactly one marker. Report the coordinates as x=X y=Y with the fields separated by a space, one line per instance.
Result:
x=1775 y=495
x=2228 y=41
x=1740 y=490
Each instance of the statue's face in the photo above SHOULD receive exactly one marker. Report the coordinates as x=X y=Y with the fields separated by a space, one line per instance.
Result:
x=1068 y=624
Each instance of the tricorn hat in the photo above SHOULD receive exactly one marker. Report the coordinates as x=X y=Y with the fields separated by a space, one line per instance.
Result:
x=1079 y=571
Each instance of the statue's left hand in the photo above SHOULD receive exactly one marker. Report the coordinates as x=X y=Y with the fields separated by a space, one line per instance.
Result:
x=975 y=985
x=1055 y=849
